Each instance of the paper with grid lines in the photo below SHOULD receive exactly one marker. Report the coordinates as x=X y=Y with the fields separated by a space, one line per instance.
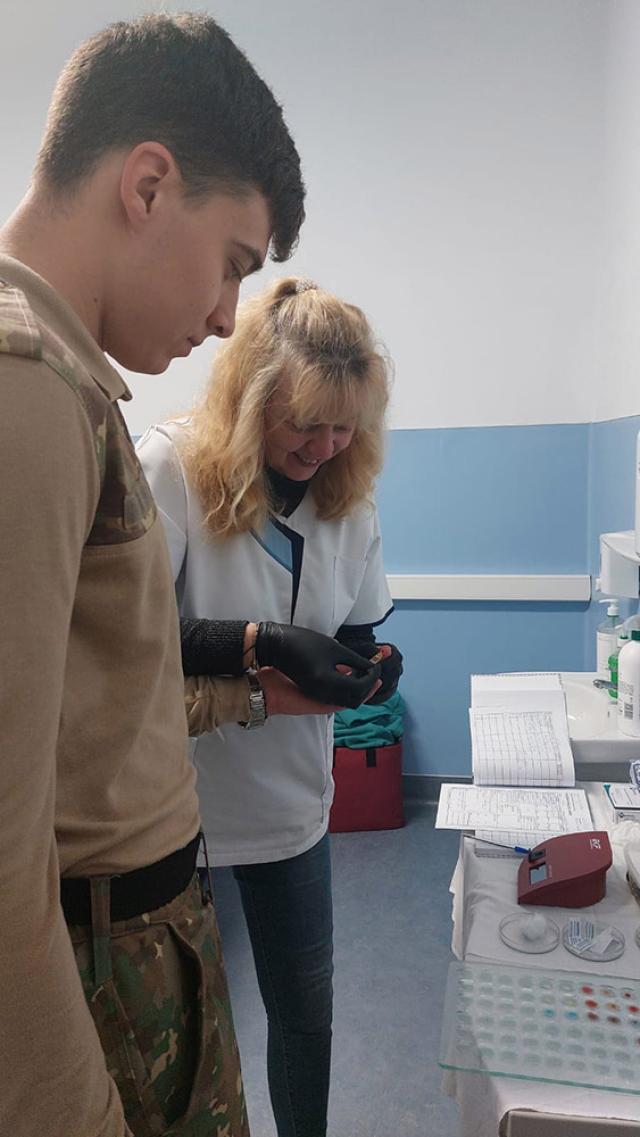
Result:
x=519 y=731
x=513 y=810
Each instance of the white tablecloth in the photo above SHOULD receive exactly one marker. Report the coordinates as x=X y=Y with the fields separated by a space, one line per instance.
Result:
x=484 y=890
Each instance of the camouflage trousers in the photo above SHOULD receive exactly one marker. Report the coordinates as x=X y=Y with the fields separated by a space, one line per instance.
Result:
x=157 y=991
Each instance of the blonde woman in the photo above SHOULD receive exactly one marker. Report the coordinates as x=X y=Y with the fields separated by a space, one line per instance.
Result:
x=266 y=497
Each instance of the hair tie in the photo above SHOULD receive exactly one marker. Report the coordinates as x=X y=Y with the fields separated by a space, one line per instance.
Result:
x=305 y=286
x=296 y=289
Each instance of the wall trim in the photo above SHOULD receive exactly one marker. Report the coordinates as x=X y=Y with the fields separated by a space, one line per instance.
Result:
x=561 y=587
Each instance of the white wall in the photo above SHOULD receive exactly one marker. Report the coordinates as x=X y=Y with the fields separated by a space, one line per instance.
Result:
x=617 y=391
x=453 y=152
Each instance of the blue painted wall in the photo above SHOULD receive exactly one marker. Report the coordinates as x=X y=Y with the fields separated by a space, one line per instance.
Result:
x=486 y=499
x=611 y=496
x=444 y=643
x=499 y=499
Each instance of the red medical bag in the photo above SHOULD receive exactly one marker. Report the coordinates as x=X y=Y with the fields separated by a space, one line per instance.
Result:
x=368 y=792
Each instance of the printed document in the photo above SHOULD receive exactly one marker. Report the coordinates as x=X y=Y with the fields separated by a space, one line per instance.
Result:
x=522 y=762
x=519 y=731
x=514 y=812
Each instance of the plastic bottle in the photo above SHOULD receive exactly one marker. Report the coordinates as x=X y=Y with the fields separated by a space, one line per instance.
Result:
x=607 y=636
x=629 y=686
x=623 y=639
x=631 y=623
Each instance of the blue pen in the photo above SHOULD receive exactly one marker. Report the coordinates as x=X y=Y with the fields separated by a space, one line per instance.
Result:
x=511 y=848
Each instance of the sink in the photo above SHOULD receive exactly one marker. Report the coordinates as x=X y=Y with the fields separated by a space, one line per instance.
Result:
x=591 y=712
x=600 y=750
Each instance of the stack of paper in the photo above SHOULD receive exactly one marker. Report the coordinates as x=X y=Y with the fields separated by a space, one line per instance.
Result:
x=521 y=757
x=511 y=812
x=519 y=732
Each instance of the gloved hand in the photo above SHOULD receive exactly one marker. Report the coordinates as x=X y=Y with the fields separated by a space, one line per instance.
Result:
x=390 y=671
x=390 y=667
x=310 y=660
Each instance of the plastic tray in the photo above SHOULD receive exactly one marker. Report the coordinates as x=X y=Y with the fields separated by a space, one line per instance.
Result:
x=544 y=1026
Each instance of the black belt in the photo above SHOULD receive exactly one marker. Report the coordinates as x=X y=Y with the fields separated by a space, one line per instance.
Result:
x=132 y=893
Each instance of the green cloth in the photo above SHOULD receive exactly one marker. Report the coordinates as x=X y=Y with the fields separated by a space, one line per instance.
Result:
x=370 y=725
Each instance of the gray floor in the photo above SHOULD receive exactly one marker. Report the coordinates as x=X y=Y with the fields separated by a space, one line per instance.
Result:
x=392 y=933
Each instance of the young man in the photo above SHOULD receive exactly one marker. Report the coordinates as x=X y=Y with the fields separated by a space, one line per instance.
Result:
x=165 y=175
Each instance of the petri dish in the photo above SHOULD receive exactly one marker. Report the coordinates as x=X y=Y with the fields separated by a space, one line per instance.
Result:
x=606 y=942
x=531 y=934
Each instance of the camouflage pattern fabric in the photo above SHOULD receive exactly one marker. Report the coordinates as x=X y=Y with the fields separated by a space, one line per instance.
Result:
x=156 y=988
x=126 y=509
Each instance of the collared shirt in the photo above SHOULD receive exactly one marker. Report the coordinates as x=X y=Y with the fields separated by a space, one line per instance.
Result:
x=94 y=771
x=265 y=795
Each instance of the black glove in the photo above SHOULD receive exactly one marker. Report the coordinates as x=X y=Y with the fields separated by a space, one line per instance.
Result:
x=390 y=672
x=310 y=660
x=361 y=640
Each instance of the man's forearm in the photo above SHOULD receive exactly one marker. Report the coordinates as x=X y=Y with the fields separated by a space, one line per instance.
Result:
x=210 y=702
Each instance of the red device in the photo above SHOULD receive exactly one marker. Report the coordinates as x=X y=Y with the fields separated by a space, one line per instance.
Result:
x=568 y=871
x=368 y=793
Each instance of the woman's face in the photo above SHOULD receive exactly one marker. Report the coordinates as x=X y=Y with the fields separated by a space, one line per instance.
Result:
x=296 y=449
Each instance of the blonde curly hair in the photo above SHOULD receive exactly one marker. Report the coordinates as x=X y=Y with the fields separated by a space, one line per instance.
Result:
x=325 y=351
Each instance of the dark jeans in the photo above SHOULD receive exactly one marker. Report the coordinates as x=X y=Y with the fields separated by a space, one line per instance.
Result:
x=287 y=905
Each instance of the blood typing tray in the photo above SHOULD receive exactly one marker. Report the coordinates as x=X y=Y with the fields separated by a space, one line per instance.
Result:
x=546 y=1026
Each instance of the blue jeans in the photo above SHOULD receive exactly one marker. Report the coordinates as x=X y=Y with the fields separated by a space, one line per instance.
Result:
x=287 y=906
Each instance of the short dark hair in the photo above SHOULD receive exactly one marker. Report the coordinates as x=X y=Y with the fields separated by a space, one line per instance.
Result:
x=179 y=80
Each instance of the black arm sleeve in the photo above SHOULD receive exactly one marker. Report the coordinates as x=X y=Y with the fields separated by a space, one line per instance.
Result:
x=361 y=634
x=212 y=647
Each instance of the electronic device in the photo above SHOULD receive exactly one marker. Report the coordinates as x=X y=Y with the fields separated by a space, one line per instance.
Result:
x=567 y=872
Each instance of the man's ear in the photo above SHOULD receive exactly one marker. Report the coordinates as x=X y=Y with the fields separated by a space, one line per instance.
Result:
x=149 y=176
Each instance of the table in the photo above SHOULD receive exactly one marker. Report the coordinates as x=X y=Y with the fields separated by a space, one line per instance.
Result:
x=484 y=890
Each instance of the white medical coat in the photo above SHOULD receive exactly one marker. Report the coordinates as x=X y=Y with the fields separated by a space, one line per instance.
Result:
x=265 y=795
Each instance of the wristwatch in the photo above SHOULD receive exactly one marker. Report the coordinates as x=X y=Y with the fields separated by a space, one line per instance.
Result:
x=257 y=703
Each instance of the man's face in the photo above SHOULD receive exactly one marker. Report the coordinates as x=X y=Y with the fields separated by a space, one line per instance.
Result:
x=179 y=281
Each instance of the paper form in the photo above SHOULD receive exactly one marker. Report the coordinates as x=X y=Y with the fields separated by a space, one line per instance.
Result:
x=508 y=837
x=521 y=747
x=541 y=675
x=512 y=810
x=519 y=731
x=484 y=688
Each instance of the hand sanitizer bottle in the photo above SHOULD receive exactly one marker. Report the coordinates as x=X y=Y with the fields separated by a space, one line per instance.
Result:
x=607 y=637
x=623 y=639
x=629 y=686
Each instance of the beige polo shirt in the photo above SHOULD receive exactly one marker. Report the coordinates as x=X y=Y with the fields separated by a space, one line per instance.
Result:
x=94 y=773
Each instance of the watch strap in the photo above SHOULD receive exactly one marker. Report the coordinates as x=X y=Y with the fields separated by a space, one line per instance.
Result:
x=257 y=703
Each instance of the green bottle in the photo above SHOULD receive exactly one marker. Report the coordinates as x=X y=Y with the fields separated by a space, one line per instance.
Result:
x=613 y=665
